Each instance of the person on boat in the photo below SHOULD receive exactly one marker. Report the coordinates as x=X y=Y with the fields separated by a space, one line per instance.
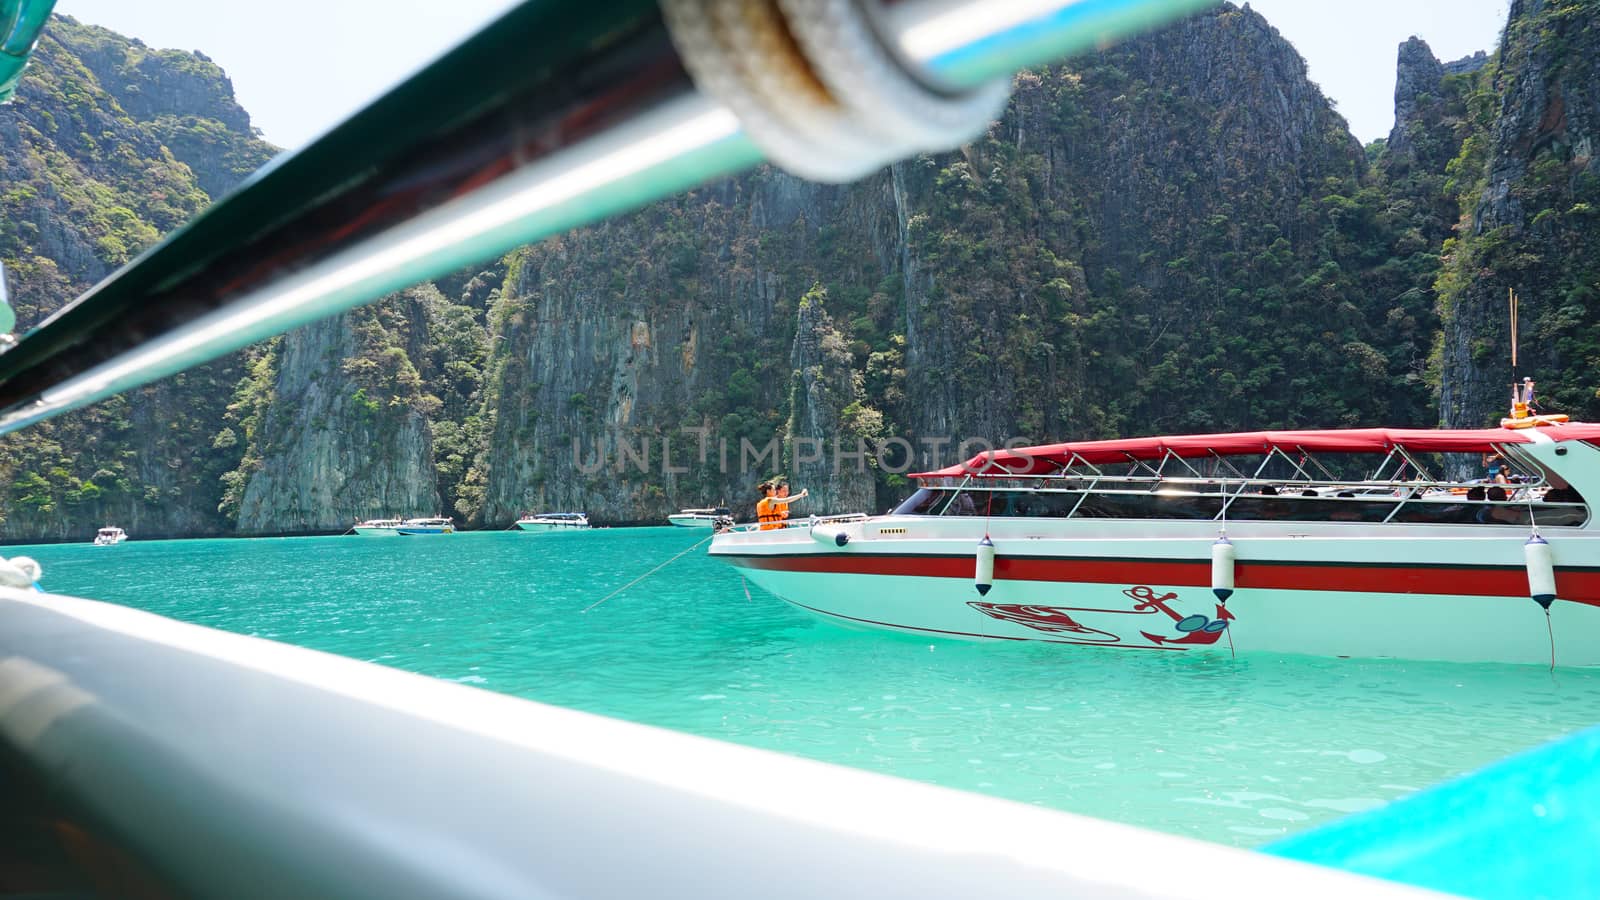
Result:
x=780 y=500
x=767 y=512
x=1495 y=465
x=1528 y=399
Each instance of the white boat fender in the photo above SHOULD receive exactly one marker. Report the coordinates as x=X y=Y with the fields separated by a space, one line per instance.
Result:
x=830 y=534
x=1222 y=558
x=20 y=572
x=983 y=580
x=1541 y=571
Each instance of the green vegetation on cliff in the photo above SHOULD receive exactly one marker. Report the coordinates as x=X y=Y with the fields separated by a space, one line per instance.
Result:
x=1178 y=233
x=1529 y=180
x=96 y=163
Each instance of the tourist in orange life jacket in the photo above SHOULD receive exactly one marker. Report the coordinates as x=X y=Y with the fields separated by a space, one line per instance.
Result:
x=767 y=510
x=781 y=500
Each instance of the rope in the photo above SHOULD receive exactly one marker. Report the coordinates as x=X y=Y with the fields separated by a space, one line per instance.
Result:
x=19 y=572
x=1552 y=632
x=647 y=574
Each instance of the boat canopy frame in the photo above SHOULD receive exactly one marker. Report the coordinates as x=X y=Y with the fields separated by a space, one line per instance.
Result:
x=1156 y=449
x=1321 y=485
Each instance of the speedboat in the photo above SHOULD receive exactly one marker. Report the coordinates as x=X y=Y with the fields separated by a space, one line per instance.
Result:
x=109 y=536
x=700 y=518
x=1332 y=543
x=434 y=525
x=378 y=527
x=558 y=521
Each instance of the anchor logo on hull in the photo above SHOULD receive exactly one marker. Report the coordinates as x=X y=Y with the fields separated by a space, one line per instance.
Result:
x=1195 y=630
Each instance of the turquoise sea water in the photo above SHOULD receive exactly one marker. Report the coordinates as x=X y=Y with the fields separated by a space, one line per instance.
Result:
x=1235 y=751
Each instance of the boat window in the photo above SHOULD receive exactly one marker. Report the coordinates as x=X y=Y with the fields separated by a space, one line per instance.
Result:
x=921 y=503
x=1125 y=495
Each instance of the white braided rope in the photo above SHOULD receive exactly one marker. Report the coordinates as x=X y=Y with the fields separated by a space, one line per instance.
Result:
x=19 y=572
x=883 y=92
x=814 y=86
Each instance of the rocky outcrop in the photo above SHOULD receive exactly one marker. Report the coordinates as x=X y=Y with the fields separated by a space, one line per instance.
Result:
x=184 y=100
x=347 y=435
x=85 y=184
x=831 y=432
x=1534 y=225
x=1177 y=233
x=1429 y=110
x=1168 y=234
x=1417 y=81
x=1466 y=65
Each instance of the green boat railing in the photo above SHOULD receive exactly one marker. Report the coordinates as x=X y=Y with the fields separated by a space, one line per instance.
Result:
x=21 y=21
x=558 y=114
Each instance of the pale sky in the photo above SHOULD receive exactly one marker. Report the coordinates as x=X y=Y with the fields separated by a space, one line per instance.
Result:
x=299 y=66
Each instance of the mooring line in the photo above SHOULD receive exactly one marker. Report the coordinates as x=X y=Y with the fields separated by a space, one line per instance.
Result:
x=1550 y=630
x=647 y=574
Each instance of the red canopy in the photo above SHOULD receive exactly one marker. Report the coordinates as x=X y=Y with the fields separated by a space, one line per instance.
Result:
x=1051 y=457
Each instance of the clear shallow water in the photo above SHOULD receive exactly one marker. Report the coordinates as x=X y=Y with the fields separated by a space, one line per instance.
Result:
x=1234 y=751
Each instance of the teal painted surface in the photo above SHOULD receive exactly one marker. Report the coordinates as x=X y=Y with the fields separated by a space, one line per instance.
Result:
x=21 y=21
x=1524 y=828
x=1240 y=752
x=1075 y=27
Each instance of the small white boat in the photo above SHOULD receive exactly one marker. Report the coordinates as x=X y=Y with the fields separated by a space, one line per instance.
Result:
x=378 y=527
x=433 y=525
x=109 y=536
x=562 y=521
x=700 y=518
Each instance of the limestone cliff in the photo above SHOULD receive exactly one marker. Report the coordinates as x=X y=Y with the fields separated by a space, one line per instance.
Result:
x=348 y=441
x=87 y=182
x=831 y=429
x=1532 y=224
x=1176 y=233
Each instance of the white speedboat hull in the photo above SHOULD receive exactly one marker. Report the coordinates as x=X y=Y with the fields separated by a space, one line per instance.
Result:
x=552 y=526
x=1435 y=595
x=684 y=520
x=372 y=531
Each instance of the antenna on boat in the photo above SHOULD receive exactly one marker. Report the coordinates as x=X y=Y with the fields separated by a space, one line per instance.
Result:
x=1518 y=407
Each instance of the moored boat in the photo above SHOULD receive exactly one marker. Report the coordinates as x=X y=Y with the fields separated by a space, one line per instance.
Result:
x=378 y=527
x=430 y=525
x=700 y=518
x=109 y=536
x=557 y=521
x=1336 y=543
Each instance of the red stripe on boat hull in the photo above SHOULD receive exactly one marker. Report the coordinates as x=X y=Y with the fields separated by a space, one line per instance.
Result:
x=1575 y=585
